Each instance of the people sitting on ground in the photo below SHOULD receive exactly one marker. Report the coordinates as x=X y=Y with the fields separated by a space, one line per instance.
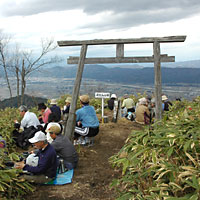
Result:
x=45 y=111
x=49 y=138
x=52 y=118
x=142 y=112
x=28 y=127
x=165 y=103
x=64 y=148
x=152 y=109
x=128 y=103
x=46 y=168
x=67 y=105
x=111 y=101
x=87 y=123
x=28 y=118
x=55 y=109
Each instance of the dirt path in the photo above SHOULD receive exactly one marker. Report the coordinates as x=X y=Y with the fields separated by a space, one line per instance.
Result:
x=94 y=174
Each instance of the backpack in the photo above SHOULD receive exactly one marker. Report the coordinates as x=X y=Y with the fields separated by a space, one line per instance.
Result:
x=21 y=139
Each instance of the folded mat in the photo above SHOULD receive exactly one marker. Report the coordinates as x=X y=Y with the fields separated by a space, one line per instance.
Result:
x=63 y=178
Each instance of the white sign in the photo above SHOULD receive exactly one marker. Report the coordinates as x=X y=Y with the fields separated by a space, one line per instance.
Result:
x=102 y=95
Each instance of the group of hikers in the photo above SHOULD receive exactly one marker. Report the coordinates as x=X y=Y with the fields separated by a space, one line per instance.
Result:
x=51 y=147
x=46 y=133
x=142 y=112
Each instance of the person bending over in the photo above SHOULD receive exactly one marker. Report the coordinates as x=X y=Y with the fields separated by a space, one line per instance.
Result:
x=46 y=168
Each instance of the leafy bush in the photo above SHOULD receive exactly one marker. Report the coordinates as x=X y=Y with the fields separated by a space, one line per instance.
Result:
x=11 y=186
x=162 y=162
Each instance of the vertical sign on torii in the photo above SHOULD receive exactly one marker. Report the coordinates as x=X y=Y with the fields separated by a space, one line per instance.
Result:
x=157 y=58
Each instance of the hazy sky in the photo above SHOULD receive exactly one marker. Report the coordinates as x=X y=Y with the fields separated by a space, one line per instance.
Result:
x=30 y=20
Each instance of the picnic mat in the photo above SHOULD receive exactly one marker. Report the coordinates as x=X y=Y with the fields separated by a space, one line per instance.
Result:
x=63 y=178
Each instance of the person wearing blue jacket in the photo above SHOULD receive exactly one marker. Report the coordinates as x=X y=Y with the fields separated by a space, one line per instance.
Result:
x=87 y=123
x=46 y=168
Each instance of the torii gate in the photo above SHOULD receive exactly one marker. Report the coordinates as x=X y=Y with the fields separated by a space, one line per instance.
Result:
x=157 y=58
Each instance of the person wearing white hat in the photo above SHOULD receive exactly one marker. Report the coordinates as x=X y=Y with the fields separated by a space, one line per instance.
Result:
x=67 y=105
x=46 y=169
x=111 y=101
x=165 y=103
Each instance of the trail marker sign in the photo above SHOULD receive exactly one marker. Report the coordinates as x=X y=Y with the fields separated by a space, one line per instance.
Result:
x=103 y=96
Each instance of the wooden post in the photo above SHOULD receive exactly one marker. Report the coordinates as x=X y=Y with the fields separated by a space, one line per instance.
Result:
x=120 y=51
x=69 y=131
x=157 y=80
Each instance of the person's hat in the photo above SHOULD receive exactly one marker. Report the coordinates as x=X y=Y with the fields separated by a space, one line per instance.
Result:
x=126 y=96
x=164 y=97
x=53 y=102
x=53 y=128
x=84 y=98
x=142 y=100
x=39 y=136
x=68 y=100
x=153 y=100
x=114 y=96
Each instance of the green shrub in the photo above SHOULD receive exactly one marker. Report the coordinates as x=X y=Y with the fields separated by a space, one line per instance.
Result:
x=162 y=162
x=11 y=186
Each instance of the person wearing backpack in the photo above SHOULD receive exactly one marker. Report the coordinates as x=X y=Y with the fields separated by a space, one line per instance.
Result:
x=29 y=126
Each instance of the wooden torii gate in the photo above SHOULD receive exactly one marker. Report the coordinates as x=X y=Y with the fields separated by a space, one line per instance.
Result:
x=157 y=58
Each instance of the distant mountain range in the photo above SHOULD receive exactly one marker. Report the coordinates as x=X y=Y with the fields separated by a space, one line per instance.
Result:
x=173 y=73
x=187 y=72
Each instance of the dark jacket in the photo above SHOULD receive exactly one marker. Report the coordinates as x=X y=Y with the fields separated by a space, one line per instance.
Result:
x=111 y=103
x=65 y=149
x=56 y=109
x=47 y=163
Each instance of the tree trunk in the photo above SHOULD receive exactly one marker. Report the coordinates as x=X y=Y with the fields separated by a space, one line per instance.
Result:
x=5 y=71
x=17 y=76
x=23 y=83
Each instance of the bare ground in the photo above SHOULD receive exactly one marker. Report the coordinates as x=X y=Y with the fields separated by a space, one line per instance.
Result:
x=94 y=173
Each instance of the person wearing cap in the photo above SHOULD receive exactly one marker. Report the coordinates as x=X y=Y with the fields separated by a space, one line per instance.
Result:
x=45 y=111
x=128 y=103
x=87 y=123
x=165 y=103
x=63 y=146
x=142 y=112
x=46 y=169
x=67 y=105
x=55 y=109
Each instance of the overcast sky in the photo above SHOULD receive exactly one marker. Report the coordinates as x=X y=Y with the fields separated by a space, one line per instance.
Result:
x=30 y=20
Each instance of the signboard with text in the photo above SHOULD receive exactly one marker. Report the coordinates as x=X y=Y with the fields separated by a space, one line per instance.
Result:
x=102 y=95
